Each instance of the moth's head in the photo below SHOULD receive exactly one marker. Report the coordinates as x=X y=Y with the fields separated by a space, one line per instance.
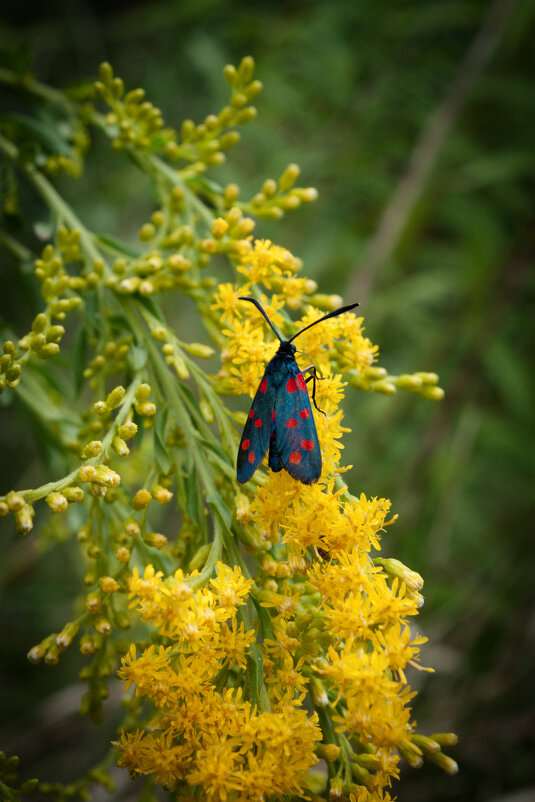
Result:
x=286 y=348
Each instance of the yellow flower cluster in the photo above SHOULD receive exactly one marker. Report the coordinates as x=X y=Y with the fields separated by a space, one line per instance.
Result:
x=337 y=345
x=355 y=635
x=204 y=733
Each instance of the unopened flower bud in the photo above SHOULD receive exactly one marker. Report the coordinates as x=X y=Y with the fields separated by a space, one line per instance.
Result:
x=102 y=626
x=69 y=631
x=200 y=557
x=120 y=447
x=108 y=584
x=92 y=449
x=87 y=645
x=127 y=430
x=206 y=410
x=122 y=554
x=384 y=387
x=328 y=752
x=432 y=393
x=105 y=476
x=141 y=500
x=289 y=177
x=24 y=519
x=147 y=408
x=445 y=738
x=57 y=502
x=115 y=397
x=143 y=392
x=15 y=501
x=40 y=323
x=219 y=228
x=131 y=526
x=93 y=603
x=161 y=494
x=100 y=407
x=73 y=494
x=159 y=333
x=412 y=580
x=155 y=539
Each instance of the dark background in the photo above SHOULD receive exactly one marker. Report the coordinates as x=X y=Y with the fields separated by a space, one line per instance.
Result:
x=416 y=122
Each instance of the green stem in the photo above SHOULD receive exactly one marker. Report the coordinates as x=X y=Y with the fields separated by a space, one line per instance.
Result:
x=52 y=198
x=30 y=496
x=29 y=84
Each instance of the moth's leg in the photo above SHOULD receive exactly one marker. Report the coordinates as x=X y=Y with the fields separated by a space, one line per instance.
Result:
x=313 y=377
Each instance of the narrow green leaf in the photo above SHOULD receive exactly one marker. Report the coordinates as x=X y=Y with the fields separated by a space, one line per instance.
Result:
x=78 y=357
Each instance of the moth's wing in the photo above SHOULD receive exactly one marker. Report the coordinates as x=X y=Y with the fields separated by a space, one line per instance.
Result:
x=297 y=443
x=256 y=433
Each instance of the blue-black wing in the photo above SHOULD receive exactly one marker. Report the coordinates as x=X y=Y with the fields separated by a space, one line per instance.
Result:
x=256 y=433
x=295 y=437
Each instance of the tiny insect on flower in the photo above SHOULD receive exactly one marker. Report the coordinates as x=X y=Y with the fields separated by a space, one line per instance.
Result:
x=281 y=415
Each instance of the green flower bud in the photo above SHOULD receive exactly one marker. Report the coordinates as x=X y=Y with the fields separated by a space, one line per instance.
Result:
x=40 y=323
x=384 y=387
x=57 y=502
x=15 y=501
x=24 y=519
x=120 y=447
x=231 y=75
x=49 y=350
x=199 y=350
x=127 y=430
x=115 y=397
x=289 y=177
x=143 y=392
x=74 y=494
x=200 y=557
x=246 y=69
x=155 y=539
x=432 y=393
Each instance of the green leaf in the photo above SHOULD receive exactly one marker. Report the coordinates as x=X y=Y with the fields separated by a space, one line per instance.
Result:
x=194 y=501
x=153 y=307
x=117 y=245
x=161 y=452
x=40 y=131
x=215 y=501
x=137 y=357
x=78 y=357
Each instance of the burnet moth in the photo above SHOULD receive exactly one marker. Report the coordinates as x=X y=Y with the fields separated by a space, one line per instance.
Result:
x=281 y=416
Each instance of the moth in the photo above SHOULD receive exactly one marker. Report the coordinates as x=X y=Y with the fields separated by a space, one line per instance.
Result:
x=281 y=414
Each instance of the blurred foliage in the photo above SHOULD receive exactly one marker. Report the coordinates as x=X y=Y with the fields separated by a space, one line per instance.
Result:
x=351 y=88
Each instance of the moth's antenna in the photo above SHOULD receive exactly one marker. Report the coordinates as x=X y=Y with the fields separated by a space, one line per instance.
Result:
x=262 y=312
x=334 y=313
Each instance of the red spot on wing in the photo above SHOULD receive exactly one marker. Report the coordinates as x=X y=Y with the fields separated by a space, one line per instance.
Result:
x=291 y=423
x=301 y=382
x=263 y=385
x=251 y=413
x=305 y=413
x=291 y=386
x=258 y=423
x=251 y=457
x=273 y=414
x=295 y=458
x=308 y=445
x=245 y=445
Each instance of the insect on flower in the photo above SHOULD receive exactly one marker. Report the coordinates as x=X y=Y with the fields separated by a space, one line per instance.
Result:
x=281 y=415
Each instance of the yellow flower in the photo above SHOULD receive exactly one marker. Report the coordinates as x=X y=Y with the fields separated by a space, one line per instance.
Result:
x=265 y=261
x=226 y=299
x=231 y=587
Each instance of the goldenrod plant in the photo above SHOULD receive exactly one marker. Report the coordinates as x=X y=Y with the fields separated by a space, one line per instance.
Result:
x=264 y=644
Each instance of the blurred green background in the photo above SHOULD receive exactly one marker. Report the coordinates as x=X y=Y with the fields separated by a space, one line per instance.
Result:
x=416 y=122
